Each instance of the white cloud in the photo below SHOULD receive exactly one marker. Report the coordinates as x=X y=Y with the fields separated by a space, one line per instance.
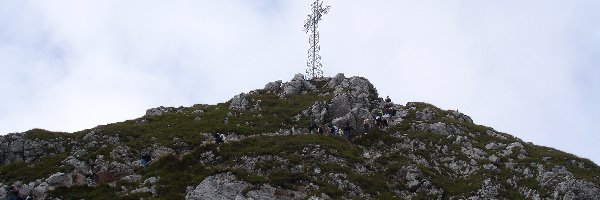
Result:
x=527 y=68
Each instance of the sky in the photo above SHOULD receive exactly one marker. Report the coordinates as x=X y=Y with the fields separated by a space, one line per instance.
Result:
x=527 y=68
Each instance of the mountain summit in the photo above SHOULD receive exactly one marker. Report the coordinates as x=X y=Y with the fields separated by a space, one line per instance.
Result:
x=331 y=138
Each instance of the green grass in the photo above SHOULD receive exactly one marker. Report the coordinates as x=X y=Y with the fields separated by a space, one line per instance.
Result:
x=84 y=192
x=43 y=134
x=42 y=169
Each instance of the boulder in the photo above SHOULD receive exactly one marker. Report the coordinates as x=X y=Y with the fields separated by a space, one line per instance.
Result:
x=488 y=190
x=353 y=119
x=220 y=186
x=297 y=85
x=425 y=115
x=566 y=186
x=317 y=112
x=239 y=102
x=18 y=147
x=460 y=116
x=59 y=179
x=77 y=164
x=273 y=86
x=340 y=106
x=160 y=110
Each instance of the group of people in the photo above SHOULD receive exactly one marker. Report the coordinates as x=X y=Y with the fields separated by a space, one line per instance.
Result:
x=379 y=120
x=14 y=194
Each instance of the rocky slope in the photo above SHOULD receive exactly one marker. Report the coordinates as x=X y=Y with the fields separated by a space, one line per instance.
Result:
x=269 y=153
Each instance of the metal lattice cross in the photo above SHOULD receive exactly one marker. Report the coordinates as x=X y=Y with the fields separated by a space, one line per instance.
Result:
x=314 y=67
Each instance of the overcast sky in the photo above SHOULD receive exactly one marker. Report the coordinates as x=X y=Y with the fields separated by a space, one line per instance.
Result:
x=528 y=68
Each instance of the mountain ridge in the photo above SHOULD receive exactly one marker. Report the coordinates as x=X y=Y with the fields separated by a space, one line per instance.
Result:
x=269 y=152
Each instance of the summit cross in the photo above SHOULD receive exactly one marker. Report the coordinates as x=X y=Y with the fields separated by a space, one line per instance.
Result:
x=314 y=67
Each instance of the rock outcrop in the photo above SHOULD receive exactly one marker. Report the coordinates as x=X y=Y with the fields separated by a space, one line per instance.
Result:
x=259 y=145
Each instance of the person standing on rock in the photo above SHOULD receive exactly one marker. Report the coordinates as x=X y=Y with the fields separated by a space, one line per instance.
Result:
x=348 y=133
x=218 y=138
x=145 y=158
x=332 y=130
x=366 y=125
x=13 y=194
x=312 y=127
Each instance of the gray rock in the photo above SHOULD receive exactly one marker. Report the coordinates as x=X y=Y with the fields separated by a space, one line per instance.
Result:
x=160 y=110
x=120 y=153
x=488 y=190
x=515 y=145
x=239 y=103
x=439 y=128
x=460 y=116
x=426 y=114
x=151 y=190
x=493 y=158
x=152 y=180
x=413 y=185
x=220 y=186
x=40 y=190
x=25 y=190
x=460 y=139
x=472 y=152
x=490 y=167
x=495 y=134
x=297 y=85
x=566 y=186
x=338 y=80
x=493 y=145
x=273 y=86
x=134 y=178
x=317 y=112
x=77 y=164
x=270 y=193
x=18 y=147
x=353 y=119
x=93 y=135
x=340 y=106
x=60 y=179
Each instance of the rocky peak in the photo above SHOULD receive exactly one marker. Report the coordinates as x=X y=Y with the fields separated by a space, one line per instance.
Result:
x=281 y=142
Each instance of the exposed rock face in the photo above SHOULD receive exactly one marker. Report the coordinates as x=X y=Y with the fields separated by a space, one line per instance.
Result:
x=425 y=114
x=297 y=85
x=273 y=86
x=565 y=186
x=239 y=103
x=353 y=98
x=159 y=110
x=220 y=186
x=17 y=147
x=226 y=186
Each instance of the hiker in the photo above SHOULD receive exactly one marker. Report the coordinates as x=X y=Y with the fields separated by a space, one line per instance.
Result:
x=13 y=194
x=218 y=138
x=312 y=127
x=145 y=159
x=348 y=133
x=333 y=129
x=320 y=130
x=366 y=125
x=385 y=122
x=378 y=121
x=387 y=99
